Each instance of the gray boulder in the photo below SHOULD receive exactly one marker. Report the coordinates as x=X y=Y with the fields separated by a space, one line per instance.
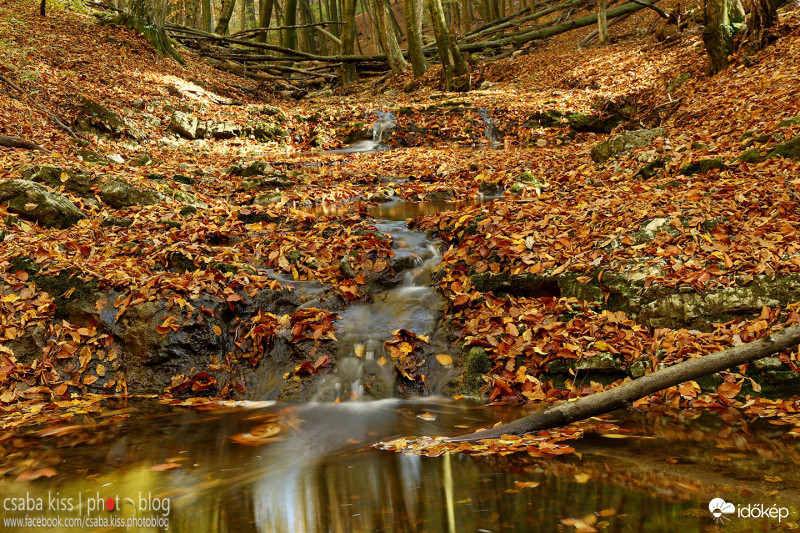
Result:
x=184 y=125
x=119 y=194
x=624 y=142
x=76 y=182
x=32 y=201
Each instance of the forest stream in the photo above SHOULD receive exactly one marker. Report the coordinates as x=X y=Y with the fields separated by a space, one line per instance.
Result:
x=152 y=465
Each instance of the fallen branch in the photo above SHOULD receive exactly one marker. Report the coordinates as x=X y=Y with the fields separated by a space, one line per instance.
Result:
x=41 y=109
x=17 y=142
x=622 y=396
x=554 y=30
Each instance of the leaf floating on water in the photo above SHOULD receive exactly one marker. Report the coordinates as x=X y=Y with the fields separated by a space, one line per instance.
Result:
x=526 y=484
x=582 y=478
x=427 y=416
x=164 y=467
x=614 y=435
x=31 y=475
x=444 y=359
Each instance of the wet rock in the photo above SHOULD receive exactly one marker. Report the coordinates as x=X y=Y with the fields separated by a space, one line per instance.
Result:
x=74 y=181
x=592 y=123
x=624 y=142
x=32 y=201
x=445 y=195
x=119 y=194
x=184 y=125
x=545 y=119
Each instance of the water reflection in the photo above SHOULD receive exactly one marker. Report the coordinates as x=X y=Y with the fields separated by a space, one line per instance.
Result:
x=317 y=473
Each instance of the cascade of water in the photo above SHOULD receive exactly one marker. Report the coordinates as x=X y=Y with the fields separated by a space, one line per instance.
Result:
x=363 y=329
x=384 y=123
x=490 y=127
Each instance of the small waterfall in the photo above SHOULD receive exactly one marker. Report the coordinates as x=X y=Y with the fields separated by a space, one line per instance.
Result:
x=363 y=329
x=384 y=124
x=490 y=127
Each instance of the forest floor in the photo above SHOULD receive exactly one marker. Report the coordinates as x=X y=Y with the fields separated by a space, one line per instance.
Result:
x=707 y=208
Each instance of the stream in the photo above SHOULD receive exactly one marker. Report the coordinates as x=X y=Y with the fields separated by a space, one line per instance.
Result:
x=272 y=467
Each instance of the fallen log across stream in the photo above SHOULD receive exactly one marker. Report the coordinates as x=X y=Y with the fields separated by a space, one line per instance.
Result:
x=622 y=396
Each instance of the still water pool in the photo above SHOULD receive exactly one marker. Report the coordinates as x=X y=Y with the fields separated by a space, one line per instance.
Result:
x=311 y=468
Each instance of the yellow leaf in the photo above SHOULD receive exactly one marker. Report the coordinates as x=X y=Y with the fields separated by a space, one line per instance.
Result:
x=582 y=478
x=217 y=330
x=406 y=348
x=526 y=484
x=444 y=359
x=601 y=345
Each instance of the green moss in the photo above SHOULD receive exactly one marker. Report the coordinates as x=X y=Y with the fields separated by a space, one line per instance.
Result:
x=188 y=210
x=477 y=365
x=58 y=286
x=186 y=180
x=703 y=166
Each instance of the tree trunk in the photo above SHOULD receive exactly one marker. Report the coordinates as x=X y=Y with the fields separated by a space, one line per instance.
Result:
x=723 y=19
x=396 y=60
x=225 y=15
x=348 y=40
x=413 y=16
x=264 y=18
x=290 y=19
x=442 y=42
x=148 y=18
x=208 y=21
x=616 y=398
x=762 y=16
x=602 y=23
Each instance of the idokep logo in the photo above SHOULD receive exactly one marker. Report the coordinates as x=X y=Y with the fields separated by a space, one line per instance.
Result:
x=719 y=508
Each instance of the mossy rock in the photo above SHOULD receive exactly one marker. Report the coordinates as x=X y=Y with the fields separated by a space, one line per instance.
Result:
x=789 y=149
x=91 y=156
x=110 y=222
x=76 y=182
x=119 y=194
x=81 y=293
x=703 y=166
x=476 y=365
x=32 y=201
x=545 y=119
x=592 y=123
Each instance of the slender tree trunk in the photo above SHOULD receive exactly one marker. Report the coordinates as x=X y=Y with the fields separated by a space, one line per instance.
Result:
x=290 y=19
x=395 y=57
x=208 y=21
x=225 y=15
x=348 y=40
x=618 y=397
x=442 y=42
x=413 y=16
x=264 y=18
x=602 y=23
